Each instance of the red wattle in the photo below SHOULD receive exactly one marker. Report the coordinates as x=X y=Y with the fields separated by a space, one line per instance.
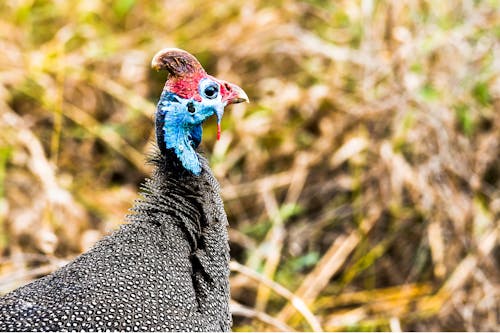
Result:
x=218 y=131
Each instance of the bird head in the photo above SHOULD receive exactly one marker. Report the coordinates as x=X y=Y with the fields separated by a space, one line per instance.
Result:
x=189 y=97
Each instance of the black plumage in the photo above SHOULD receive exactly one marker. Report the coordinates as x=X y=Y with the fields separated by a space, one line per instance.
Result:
x=166 y=270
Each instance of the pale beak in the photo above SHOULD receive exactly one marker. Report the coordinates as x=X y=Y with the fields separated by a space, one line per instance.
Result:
x=234 y=94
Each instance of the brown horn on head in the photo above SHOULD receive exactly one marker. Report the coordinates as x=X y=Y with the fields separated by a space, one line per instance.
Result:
x=176 y=62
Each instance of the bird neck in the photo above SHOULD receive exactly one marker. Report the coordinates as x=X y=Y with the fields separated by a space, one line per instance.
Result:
x=194 y=200
x=181 y=140
x=193 y=203
x=173 y=166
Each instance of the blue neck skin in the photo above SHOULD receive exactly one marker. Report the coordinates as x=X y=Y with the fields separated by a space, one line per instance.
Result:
x=179 y=127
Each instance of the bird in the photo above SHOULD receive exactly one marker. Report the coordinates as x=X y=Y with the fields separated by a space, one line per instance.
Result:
x=167 y=268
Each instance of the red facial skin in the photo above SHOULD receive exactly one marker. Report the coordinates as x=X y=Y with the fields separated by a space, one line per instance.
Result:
x=187 y=87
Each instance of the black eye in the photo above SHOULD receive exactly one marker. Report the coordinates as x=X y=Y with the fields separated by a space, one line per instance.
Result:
x=209 y=89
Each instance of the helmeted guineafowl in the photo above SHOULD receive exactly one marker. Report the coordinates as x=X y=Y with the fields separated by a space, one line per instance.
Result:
x=167 y=269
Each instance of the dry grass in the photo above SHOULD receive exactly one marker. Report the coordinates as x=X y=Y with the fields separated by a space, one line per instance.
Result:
x=361 y=183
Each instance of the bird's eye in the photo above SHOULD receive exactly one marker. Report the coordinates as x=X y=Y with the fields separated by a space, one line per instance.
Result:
x=209 y=89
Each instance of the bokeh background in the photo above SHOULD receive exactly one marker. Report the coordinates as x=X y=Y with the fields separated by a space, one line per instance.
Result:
x=361 y=182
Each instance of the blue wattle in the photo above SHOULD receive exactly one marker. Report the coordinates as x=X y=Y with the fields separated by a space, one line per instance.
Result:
x=180 y=130
x=196 y=134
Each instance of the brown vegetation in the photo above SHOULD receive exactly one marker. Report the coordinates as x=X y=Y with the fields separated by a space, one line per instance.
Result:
x=361 y=183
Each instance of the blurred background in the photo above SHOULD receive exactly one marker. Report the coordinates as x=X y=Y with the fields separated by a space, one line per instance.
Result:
x=361 y=182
